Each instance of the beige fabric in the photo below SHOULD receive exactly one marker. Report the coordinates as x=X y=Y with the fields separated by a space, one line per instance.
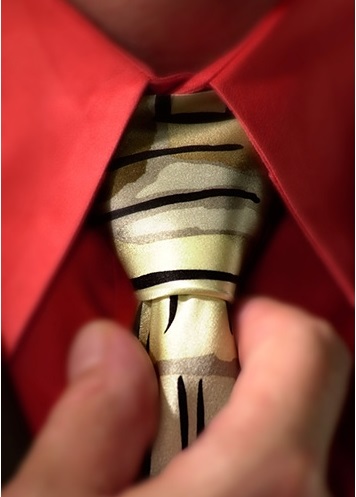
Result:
x=185 y=195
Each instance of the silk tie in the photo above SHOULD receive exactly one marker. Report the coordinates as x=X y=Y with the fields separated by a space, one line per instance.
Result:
x=185 y=196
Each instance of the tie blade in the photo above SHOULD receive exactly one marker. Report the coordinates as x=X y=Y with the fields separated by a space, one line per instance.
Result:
x=194 y=353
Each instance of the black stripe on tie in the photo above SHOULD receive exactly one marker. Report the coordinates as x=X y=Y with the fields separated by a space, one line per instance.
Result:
x=163 y=106
x=137 y=321
x=180 y=198
x=183 y=412
x=118 y=162
x=173 y=306
x=146 y=467
x=152 y=279
x=163 y=113
x=229 y=311
x=200 y=409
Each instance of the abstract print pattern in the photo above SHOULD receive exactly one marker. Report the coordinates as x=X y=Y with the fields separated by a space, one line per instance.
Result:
x=185 y=195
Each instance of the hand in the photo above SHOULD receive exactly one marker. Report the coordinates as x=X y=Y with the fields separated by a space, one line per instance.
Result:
x=272 y=438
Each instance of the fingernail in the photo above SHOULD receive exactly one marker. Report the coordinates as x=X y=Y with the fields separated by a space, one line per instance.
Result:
x=88 y=350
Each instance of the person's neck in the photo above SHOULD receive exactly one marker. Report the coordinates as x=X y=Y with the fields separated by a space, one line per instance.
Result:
x=171 y=36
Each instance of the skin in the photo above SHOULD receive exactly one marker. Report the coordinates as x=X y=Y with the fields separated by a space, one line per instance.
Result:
x=159 y=32
x=272 y=438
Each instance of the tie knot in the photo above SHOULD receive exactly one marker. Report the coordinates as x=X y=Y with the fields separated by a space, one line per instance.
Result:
x=185 y=195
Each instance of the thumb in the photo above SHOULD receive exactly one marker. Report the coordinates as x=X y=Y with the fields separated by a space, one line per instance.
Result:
x=95 y=439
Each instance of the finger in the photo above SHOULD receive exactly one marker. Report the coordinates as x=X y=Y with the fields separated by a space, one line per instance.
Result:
x=299 y=367
x=272 y=436
x=96 y=436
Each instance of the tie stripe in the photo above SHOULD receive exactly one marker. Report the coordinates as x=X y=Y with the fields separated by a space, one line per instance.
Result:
x=173 y=306
x=152 y=279
x=200 y=408
x=183 y=412
x=180 y=198
x=126 y=160
x=164 y=114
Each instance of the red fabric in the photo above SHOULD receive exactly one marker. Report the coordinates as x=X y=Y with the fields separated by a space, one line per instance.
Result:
x=68 y=93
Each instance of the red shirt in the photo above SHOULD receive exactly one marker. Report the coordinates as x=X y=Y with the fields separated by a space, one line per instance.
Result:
x=68 y=93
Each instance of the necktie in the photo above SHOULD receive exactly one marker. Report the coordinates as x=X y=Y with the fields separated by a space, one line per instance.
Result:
x=185 y=196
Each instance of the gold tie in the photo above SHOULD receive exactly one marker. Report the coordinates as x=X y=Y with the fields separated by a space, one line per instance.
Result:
x=185 y=195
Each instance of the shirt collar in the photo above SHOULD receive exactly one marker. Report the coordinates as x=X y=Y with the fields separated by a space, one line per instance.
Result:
x=290 y=85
